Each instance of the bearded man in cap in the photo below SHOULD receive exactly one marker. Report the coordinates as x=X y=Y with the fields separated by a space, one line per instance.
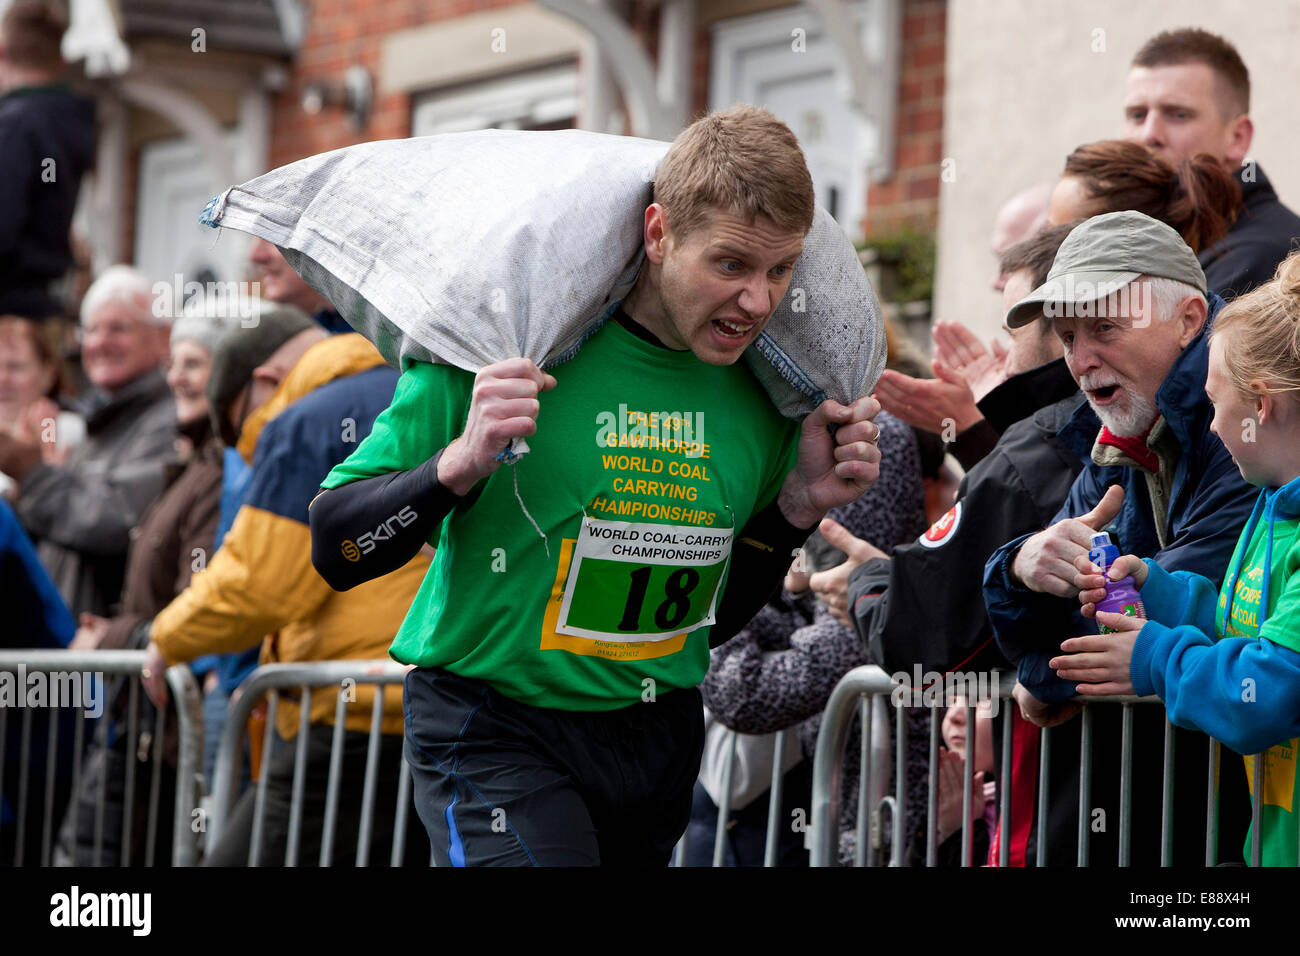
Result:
x=294 y=402
x=1128 y=301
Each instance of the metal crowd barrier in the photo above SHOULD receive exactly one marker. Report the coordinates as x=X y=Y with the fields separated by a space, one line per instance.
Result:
x=111 y=668
x=879 y=746
x=870 y=683
x=770 y=844
x=269 y=680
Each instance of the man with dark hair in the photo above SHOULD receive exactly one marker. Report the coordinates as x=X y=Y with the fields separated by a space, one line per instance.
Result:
x=49 y=142
x=1188 y=92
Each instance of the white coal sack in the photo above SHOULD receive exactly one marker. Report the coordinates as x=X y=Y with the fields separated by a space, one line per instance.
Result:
x=470 y=248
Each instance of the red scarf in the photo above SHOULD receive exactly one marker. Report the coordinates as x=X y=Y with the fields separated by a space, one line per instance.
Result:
x=1135 y=446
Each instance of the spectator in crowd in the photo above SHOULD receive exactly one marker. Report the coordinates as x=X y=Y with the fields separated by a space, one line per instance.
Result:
x=1188 y=92
x=939 y=480
x=298 y=405
x=223 y=673
x=1017 y=219
x=1197 y=197
x=81 y=512
x=177 y=530
x=48 y=134
x=779 y=671
x=1154 y=475
x=951 y=772
x=172 y=541
x=1199 y=650
x=279 y=283
x=31 y=386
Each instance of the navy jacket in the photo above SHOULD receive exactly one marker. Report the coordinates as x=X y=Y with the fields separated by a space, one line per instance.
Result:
x=1262 y=236
x=1209 y=504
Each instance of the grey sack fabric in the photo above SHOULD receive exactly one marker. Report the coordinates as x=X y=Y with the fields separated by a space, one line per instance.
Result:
x=469 y=248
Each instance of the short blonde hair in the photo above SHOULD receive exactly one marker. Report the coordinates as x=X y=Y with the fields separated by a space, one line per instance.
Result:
x=1260 y=334
x=742 y=160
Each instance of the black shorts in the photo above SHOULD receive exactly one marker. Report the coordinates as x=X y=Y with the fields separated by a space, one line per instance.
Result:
x=502 y=783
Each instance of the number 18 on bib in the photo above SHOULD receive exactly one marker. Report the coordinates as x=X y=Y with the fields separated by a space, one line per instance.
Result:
x=642 y=582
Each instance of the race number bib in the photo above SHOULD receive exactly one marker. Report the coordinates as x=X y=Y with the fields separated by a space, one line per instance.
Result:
x=642 y=582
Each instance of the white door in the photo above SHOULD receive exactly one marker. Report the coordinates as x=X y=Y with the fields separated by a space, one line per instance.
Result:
x=175 y=183
x=784 y=62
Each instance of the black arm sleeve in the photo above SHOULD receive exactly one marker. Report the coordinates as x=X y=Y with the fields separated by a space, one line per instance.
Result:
x=368 y=528
x=759 y=560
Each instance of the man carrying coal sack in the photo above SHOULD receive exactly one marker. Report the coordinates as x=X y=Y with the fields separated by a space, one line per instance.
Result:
x=553 y=716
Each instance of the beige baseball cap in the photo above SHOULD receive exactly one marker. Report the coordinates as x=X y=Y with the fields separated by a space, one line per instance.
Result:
x=1104 y=254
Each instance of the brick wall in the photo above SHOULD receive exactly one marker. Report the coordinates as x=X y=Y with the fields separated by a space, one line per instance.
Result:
x=911 y=195
x=339 y=34
x=343 y=32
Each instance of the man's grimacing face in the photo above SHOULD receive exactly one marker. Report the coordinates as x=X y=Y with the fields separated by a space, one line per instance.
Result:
x=719 y=286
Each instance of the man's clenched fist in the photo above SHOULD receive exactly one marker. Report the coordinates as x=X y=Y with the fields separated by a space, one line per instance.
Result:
x=504 y=406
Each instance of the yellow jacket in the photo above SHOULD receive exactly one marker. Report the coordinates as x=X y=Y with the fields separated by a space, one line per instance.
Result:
x=260 y=585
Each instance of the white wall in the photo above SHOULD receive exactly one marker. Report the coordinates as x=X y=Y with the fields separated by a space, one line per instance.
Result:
x=1024 y=88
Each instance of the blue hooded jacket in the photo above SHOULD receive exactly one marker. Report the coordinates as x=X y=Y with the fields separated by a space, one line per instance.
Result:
x=1183 y=655
x=1208 y=505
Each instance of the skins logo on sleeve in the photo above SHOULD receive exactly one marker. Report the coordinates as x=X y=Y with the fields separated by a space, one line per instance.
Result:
x=365 y=543
x=941 y=531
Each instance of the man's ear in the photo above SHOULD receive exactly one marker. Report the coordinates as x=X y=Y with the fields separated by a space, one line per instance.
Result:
x=270 y=375
x=656 y=233
x=1240 y=133
x=1192 y=313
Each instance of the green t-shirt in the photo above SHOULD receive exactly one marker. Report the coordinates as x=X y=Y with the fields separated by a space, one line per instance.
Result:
x=644 y=464
x=1279 y=814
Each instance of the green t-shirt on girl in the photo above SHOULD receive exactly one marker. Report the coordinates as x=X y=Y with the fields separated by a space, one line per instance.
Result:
x=585 y=576
x=1281 y=624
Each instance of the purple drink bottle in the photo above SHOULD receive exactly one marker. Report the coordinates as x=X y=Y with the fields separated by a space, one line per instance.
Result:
x=1121 y=596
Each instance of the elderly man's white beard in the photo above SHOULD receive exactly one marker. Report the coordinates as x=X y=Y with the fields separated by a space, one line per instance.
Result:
x=1134 y=421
